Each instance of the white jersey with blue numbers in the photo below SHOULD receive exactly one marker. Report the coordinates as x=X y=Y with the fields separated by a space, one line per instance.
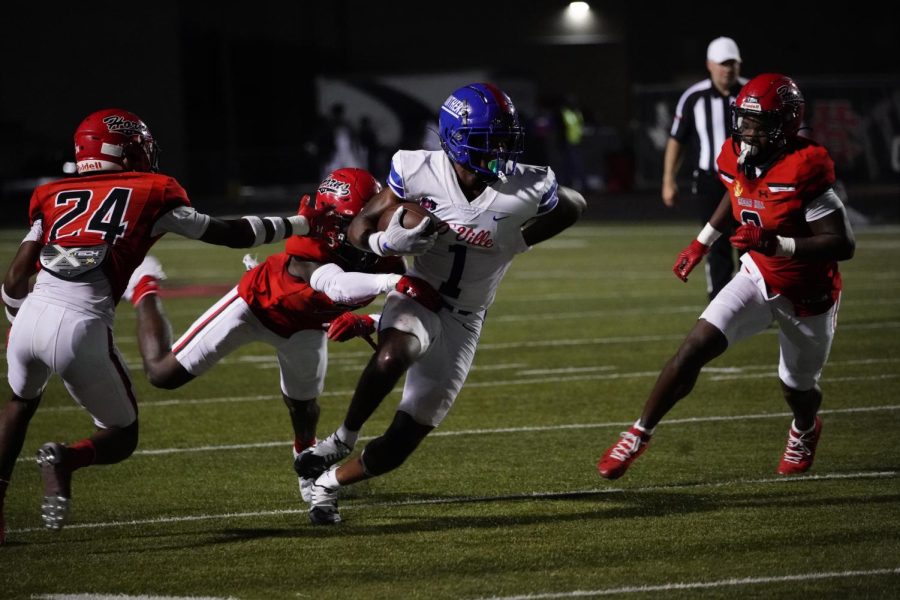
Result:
x=479 y=238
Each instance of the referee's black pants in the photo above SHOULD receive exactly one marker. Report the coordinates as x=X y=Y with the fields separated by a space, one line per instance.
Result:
x=708 y=191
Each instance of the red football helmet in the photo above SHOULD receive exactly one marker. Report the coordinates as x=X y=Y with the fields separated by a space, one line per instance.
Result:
x=115 y=140
x=776 y=102
x=339 y=198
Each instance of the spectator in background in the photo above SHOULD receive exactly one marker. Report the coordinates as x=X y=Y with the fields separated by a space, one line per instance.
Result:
x=369 y=146
x=702 y=122
x=572 y=121
x=344 y=143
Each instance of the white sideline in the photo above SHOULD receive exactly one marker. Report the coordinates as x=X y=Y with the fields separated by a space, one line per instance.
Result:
x=473 y=499
x=702 y=584
x=525 y=429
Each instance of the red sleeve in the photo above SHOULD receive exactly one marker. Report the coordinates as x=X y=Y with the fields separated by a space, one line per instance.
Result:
x=815 y=171
x=174 y=195
x=34 y=207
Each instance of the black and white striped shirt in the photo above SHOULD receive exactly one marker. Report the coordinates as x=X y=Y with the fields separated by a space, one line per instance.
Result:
x=702 y=112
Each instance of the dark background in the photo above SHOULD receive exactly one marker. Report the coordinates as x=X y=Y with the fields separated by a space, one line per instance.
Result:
x=232 y=91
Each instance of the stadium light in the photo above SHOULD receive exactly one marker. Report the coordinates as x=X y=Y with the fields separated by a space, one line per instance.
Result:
x=577 y=12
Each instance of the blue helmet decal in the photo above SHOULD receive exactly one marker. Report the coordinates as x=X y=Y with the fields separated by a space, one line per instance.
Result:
x=479 y=129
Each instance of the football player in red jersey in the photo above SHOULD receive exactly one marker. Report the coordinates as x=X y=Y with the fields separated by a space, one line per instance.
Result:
x=794 y=230
x=89 y=233
x=288 y=302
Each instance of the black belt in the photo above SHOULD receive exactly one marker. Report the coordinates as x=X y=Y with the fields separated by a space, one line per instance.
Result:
x=453 y=309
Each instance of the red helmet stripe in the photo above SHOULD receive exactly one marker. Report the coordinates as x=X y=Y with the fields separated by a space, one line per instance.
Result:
x=499 y=97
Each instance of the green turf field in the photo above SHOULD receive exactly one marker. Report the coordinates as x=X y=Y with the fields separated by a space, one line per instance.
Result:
x=503 y=500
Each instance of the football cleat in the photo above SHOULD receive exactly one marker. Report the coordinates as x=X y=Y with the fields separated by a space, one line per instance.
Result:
x=315 y=460
x=323 y=506
x=57 y=485
x=616 y=460
x=800 y=451
x=145 y=279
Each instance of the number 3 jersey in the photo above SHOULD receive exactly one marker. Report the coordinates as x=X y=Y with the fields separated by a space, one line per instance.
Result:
x=477 y=240
x=785 y=198
x=113 y=210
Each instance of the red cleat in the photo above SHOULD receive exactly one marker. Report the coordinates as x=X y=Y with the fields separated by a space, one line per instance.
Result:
x=800 y=451
x=616 y=460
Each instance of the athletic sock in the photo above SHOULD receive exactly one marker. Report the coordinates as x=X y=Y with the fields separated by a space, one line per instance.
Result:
x=347 y=436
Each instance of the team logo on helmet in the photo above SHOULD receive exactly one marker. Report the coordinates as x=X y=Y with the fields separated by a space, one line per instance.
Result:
x=330 y=185
x=119 y=124
x=456 y=107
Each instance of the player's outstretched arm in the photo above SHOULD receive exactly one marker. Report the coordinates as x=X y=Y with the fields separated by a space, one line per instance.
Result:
x=252 y=231
x=566 y=212
x=246 y=232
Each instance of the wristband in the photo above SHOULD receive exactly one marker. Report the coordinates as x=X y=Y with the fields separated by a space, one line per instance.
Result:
x=708 y=235
x=374 y=242
x=9 y=300
x=786 y=246
x=9 y=316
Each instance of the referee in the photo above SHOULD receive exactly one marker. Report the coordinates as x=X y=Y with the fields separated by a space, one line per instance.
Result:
x=702 y=124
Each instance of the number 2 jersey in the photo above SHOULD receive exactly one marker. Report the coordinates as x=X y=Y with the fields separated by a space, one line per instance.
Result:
x=117 y=210
x=780 y=200
x=477 y=240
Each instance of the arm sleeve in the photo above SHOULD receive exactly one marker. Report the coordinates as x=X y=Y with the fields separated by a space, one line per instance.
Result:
x=823 y=206
x=352 y=287
x=182 y=220
x=36 y=233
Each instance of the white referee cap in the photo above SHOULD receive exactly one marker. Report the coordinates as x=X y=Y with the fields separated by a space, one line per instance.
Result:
x=723 y=49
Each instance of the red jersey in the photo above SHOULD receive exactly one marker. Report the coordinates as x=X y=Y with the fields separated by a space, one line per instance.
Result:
x=115 y=209
x=287 y=304
x=777 y=200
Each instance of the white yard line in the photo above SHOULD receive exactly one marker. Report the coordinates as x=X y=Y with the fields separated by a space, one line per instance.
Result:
x=697 y=585
x=525 y=429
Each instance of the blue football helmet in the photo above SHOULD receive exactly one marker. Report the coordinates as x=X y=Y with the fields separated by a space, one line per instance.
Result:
x=479 y=129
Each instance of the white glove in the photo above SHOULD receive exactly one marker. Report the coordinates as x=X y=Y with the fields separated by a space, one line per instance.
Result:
x=397 y=240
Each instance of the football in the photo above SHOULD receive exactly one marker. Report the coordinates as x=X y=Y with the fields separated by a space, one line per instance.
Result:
x=411 y=218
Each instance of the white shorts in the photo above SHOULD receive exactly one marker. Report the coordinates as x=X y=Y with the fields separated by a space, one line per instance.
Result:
x=50 y=338
x=743 y=309
x=448 y=340
x=230 y=324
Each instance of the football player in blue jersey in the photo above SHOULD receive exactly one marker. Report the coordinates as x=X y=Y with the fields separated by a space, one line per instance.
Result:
x=494 y=208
